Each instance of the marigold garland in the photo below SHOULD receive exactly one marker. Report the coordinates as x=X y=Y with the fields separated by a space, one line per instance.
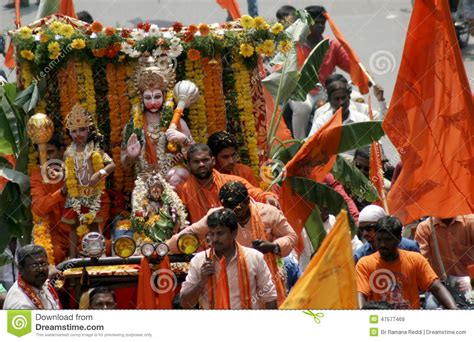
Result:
x=91 y=104
x=244 y=102
x=73 y=190
x=26 y=75
x=32 y=159
x=80 y=82
x=197 y=113
x=42 y=237
x=214 y=95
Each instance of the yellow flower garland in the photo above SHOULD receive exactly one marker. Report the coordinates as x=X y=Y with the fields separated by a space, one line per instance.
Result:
x=244 y=103
x=197 y=113
x=42 y=237
x=32 y=159
x=73 y=189
x=91 y=104
x=26 y=75
x=80 y=81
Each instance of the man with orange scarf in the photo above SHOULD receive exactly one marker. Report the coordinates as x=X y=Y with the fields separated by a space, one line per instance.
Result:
x=200 y=192
x=261 y=226
x=228 y=275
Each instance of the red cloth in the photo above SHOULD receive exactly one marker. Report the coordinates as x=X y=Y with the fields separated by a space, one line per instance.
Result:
x=146 y=296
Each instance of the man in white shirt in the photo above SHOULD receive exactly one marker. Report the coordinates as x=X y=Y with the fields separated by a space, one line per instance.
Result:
x=207 y=267
x=339 y=95
x=31 y=291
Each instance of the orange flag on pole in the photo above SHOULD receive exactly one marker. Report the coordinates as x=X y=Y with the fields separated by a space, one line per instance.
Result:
x=232 y=6
x=358 y=75
x=66 y=7
x=329 y=281
x=431 y=121
x=314 y=160
x=376 y=171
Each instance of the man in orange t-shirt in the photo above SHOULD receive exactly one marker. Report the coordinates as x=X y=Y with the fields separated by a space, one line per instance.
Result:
x=225 y=150
x=200 y=192
x=48 y=198
x=396 y=276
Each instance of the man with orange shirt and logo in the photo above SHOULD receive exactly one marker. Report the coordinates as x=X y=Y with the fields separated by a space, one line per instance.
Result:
x=396 y=276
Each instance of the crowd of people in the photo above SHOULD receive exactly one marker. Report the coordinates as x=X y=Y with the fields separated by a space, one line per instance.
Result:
x=252 y=260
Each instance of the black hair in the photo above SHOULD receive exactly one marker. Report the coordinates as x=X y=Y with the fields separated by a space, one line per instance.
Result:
x=333 y=79
x=223 y=218
x=85 y=16
x=316 y=12
x=232 y=194
x=285 y=11
x=99 y=290
x=221 y=140
x=377 y=305
x=389 y=224
x=198 y=148
x=93 y=135
x=29 y=251
x=363 y=152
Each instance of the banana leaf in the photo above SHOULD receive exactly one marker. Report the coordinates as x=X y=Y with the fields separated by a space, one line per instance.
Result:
x=309 y=74
x=16 y=177
x=314 y=227
x=15 y=116
x=354 y=180
x=289 y=83
x=360 y=134
x=4 y=163
x=321 y=195
x=28 y=98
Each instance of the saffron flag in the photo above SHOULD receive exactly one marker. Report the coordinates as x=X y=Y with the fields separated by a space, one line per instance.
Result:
x=375 y=170
x=232 y=6
x=358 y=75
x=329 y=281
x=431 y=121
x=66 y=7
x=314 y=160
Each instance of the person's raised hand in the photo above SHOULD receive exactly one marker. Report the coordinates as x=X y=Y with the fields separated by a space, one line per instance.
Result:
x=133 y=146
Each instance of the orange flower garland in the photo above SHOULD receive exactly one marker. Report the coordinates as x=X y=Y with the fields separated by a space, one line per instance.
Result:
x=115 y=114
x=64 y=100
x=244 y=102
x=197 y=113
x=214 y=95
x=135 y=102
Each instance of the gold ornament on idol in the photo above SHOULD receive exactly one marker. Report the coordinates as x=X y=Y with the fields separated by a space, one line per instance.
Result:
x=40 y=129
